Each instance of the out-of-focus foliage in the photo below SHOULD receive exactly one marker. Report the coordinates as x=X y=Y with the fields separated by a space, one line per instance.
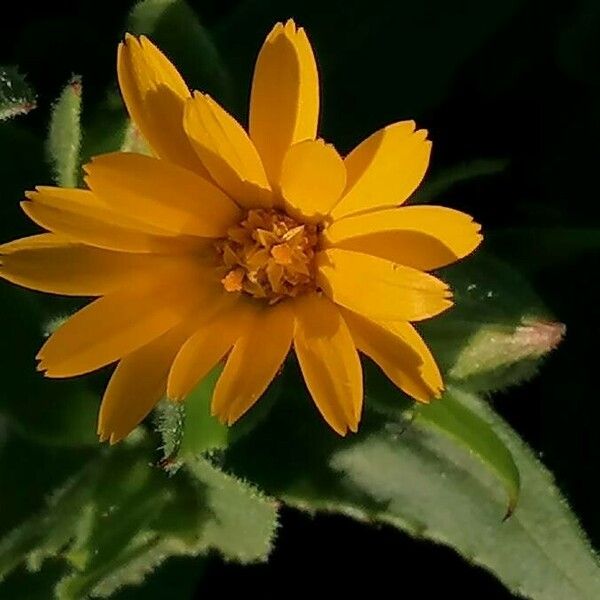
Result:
x=117 y=519
x=16 y=97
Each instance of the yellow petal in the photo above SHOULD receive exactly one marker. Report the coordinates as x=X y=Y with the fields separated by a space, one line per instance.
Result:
x=53 y=263
x=80 y=215
x=429 y=369
x=160 y=193
x=312 y=178
x=329 y=362
x=155 y=95
x=400 y=352
x=378 y=288
x=138 y=383
x=422 y=237
x=284 y=104
x=206 y=347
x=385 y=169
x=253 y=362
x=123 y=321
x=226 y=151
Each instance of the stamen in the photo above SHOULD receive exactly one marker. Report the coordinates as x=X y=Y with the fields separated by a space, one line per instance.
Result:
x=269 y=255
x=232 y=282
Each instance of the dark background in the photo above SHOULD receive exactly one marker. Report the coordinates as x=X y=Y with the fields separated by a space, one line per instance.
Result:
x=511 y=79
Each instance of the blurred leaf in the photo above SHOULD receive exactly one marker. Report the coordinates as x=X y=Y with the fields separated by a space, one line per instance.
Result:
x=40 y=470
x=134 y=142
x=449 y=418
x=59 y=412
x=498 y=330
x=175 y=28
x=456 y=421
x=64 y=137
x=188 y=429
x=242 y=520
x=117 y=519
x=439 y=183
x=16 y=97
x=418 y=479
x=506 y=355
x=179 y=575
x=535 y=249
x=106 y=127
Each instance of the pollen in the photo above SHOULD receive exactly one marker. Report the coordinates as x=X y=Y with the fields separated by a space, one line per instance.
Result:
x=269 y=255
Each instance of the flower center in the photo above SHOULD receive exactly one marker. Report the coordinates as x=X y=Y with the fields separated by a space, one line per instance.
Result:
x=269 y=255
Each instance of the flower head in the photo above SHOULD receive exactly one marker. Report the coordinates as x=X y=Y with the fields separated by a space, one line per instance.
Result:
x=234 y=245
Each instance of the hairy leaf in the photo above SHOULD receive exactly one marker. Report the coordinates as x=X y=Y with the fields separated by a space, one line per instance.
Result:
x=64 y=137
x=415 y=477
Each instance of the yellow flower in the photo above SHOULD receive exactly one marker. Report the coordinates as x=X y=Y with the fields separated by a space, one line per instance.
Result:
x=238 y=246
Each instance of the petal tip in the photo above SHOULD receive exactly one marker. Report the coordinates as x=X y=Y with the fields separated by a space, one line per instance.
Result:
x=421 y=134
x=278 y=28
x=175 y=396
x=290 y=28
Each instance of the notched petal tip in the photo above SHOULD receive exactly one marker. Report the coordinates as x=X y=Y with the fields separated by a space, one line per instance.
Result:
x=220 y=415
x=115 y=438
x=289 y=29
x=129 y=38
x=421 y=134
x=435 y=392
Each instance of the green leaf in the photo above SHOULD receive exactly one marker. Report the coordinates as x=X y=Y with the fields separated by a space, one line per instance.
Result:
x=464 y=426
x=40 y=470
x=106 y=127
x=419 y=479
x=175 y=28
x=118 y=518
x=188 y=429
x=180 y=575
x=16 y=97
x=439 y=183
x=64 y=137
x=502 y=356
x=498 y=330
x=243 y=520
x=450 y=418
